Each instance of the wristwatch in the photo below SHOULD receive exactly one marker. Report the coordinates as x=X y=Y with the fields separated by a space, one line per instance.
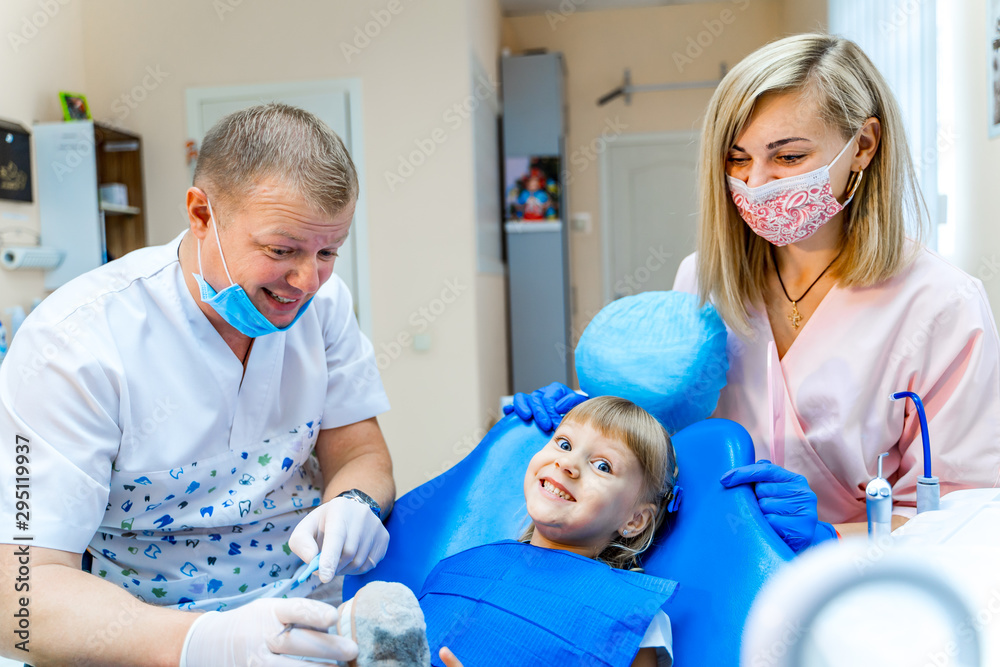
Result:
x=362 y=497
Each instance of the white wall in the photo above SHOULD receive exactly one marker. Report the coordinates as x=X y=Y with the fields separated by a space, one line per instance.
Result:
x=40 y=54
x=977 y=157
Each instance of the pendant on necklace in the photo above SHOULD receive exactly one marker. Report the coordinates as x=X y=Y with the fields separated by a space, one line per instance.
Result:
x=795 y=318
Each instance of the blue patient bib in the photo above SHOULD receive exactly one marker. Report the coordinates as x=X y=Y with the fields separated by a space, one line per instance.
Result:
x=510 y=603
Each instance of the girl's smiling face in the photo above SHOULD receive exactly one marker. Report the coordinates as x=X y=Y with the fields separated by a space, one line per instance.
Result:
x=582 y=489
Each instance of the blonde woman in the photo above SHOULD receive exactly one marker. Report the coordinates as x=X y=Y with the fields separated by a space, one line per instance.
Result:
x=832 y=303
x=807 y=188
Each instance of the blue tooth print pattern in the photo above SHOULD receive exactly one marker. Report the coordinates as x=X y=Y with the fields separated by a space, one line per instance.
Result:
x=199 y=535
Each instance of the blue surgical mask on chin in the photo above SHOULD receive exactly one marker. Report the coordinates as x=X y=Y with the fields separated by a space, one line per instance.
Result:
x=232 y=303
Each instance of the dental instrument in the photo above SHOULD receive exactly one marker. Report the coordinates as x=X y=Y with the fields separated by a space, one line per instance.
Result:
x=928 y=486
x=308 y=572
x=878 y=503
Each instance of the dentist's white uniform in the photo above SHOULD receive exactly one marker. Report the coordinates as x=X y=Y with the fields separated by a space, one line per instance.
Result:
x=148 y=444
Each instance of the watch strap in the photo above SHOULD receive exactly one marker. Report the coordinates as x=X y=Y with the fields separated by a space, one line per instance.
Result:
x=362 y=497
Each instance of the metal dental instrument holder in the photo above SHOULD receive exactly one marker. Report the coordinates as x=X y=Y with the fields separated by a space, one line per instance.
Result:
x=928 y=486
x=878 y=502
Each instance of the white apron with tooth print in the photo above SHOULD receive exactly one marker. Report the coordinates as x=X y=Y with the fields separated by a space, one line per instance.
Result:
x=211 y=528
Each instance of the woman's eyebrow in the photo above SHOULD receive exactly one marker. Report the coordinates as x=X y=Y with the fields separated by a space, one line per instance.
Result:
x=774 y=144
x=782 y=142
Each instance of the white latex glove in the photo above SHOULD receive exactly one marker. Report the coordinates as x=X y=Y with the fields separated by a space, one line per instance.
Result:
x=352 y=538
x=252 y=635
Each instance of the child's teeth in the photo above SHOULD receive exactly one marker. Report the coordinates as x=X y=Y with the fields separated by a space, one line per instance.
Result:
x=552 y=489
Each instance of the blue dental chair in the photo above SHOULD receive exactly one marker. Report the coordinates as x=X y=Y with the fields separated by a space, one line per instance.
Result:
x=717 y=546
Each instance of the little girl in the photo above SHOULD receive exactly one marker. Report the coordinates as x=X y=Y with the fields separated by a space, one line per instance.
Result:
x=563 y=594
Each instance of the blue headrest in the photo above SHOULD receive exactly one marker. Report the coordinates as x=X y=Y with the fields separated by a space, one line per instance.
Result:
x=661 y=350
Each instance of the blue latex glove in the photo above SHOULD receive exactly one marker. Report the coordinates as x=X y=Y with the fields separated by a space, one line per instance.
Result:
x=546 y=405
x=786 y=501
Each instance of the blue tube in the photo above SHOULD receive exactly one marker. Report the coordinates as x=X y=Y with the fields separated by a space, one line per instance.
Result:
x=923 y=427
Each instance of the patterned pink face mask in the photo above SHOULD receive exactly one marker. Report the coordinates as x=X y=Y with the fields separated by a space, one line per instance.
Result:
x=790 y=209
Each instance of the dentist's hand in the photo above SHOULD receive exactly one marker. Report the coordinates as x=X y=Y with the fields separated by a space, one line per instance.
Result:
x=786 y=500
x=254 y=635
x=546 y=405
x=352 y=538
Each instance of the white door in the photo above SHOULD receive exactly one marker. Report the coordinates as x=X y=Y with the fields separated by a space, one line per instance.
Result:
x=649 y=210
x=336 y=103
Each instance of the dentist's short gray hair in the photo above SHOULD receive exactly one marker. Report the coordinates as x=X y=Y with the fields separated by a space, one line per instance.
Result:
x=276 y=142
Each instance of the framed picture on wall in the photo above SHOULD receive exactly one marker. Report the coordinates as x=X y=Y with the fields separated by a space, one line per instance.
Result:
x=993 y=65
x=74 y=106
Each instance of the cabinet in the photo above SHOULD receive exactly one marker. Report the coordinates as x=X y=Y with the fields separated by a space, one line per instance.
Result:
x=74 y=159
x=537 y=252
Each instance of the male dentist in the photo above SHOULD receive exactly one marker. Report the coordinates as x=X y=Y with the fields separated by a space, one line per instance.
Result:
x=200 y=418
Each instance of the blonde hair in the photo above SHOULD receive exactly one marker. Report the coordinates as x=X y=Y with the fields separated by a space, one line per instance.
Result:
x=624 y=421
x=276 y=141
x=732 y=260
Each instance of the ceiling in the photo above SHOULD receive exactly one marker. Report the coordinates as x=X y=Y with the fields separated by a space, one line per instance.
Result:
x=525 y=7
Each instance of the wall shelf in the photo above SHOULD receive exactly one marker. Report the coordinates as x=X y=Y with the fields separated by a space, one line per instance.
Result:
x=84 y=155
x=116 y=209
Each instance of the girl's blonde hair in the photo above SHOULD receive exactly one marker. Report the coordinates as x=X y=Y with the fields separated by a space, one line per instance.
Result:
x=848 y=89
x=622 y=420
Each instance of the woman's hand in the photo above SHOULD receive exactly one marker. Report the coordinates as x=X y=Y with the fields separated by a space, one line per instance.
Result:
x=546 y=405
x=786 y=500
x=449 y=658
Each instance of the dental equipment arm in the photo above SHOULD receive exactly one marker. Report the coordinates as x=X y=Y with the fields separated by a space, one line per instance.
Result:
x=878 y=504
x=928 y=486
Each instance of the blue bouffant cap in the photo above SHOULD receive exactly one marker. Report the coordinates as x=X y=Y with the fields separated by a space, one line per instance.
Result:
x=660 y=350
